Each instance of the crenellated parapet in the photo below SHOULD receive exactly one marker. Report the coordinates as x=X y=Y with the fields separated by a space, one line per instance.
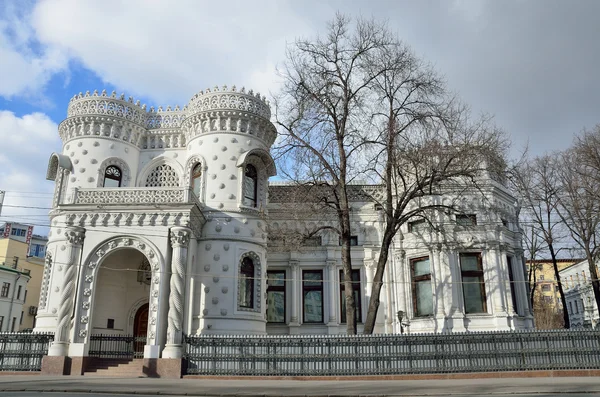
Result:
x=125 y=119
x=108 y=105
x=229 y=99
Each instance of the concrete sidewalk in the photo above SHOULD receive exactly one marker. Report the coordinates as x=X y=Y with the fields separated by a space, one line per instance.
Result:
x=252 y=387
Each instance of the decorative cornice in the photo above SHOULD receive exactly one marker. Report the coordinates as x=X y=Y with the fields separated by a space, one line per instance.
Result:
x=192 y=219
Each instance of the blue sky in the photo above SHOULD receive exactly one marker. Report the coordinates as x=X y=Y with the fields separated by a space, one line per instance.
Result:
x=531 y=63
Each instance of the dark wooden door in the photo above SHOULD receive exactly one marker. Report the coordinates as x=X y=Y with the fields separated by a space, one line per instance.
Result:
x=140 y=328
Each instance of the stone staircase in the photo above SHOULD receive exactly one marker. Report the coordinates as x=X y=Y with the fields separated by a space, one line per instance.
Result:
x=116 y=368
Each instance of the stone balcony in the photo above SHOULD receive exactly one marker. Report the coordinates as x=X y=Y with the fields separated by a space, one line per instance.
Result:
x=135 y=207
x=134 y=196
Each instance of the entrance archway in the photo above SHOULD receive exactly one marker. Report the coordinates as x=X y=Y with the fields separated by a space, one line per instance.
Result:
x=140 y=328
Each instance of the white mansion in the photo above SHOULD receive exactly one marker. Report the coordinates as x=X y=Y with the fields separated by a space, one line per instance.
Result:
x=160 y=227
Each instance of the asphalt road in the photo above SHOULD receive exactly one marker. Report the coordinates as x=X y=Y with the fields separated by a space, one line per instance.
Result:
x=76 y=394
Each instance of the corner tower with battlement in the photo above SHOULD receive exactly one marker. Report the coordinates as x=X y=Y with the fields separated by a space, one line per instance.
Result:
x=158 y=222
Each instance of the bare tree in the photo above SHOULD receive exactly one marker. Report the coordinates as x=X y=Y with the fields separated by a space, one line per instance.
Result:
x=422 y=146
x=536 y=182
x=320 y=112
x=357 y=103
x=579 y=206
x=533 y=248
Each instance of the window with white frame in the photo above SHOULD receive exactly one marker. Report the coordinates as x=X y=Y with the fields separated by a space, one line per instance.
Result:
x=112 y=176
x=355 y=293
x=422 y=293
x=250 y=186
x=473 y=285
x=196 y=179
x=249 y=279
x=312 y=296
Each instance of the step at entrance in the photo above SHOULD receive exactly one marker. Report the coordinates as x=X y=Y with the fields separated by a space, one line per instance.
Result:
x=116 y=368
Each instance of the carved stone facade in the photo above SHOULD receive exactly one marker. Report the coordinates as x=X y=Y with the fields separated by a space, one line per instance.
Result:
x=175 y=240
x=148 y=226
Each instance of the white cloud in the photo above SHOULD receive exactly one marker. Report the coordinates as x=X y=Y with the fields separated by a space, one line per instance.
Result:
x=28 y=134
x=26 y=143
x=170 y=50
x=24 y=71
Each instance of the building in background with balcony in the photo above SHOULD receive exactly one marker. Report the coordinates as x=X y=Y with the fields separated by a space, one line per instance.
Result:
x=22 y=266
x=579 y=295
x=163 y=223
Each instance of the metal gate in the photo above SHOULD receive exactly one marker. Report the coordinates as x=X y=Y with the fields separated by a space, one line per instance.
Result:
x=117 y=346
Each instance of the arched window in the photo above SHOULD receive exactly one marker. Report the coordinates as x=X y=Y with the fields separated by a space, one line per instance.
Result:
x=250 y=185
x=163 y=176
x=196 y=179
x=246 y=279
x=112 y=176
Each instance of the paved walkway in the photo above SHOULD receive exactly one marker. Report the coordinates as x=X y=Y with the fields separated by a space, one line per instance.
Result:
x=253 y=387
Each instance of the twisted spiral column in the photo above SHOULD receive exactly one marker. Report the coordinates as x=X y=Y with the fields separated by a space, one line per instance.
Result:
x=75 y=236
x=180 y=238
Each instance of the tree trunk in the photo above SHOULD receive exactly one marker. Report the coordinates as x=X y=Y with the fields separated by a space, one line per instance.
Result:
x=594 y=277
x=560 y=288
x=344 y=219
x=377 y=284
x=532 y=283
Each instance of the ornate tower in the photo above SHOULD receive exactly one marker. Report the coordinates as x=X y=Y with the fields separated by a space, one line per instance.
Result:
x=228 y=136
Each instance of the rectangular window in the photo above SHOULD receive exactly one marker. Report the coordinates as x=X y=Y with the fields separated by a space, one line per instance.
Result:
x=110 y=324
x=466 y=219
x=276 y=296
x=19 y=292
x=570 y=308
x=1 y=322
x=21 y=319
x=546 y=287
x=25 y=296
x=421 y=287
x=417 y=226
x=14 y=322
x=312 y=296
x=355 y=293
x=511 y=279
x=471 y=269
x=23 y=233
x=541 y=277
x=5 y=289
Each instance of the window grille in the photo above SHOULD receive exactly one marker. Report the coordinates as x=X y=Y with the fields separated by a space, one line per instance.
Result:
x=163 y=176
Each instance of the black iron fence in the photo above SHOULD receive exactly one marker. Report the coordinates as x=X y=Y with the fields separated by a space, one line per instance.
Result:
x=117 y=346
x=392 y=354
x=23 y=351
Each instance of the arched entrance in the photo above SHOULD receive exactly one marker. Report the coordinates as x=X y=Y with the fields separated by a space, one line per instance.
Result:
x=140 y=328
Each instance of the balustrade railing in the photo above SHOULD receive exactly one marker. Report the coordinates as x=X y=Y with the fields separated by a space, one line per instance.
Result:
x=139 y=195
x=23 y=351
x=117 y=346
x=392 y=354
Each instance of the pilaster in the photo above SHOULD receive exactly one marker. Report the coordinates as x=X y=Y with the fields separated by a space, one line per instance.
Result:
x=75 y=236
x=180 y=237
